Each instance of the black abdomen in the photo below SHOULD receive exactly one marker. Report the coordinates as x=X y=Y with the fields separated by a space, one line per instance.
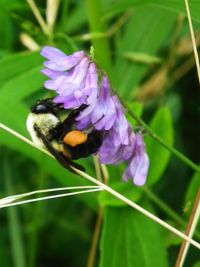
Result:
x=91 y=146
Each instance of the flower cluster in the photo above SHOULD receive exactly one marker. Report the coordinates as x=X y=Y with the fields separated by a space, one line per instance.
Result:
x=77 y=81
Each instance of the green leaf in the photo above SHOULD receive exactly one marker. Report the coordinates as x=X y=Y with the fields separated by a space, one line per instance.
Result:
x=16 y=64
x=126 y=189
x=197 y=264
x=129 y=239
x=175 y=5
x=144 y=33
x=76 y=18
x=11 y=5
x=159 y=157
x=6 y=32
x=22 y=86
x=141 y=58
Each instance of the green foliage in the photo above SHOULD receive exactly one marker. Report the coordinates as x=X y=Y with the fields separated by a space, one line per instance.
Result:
x=126 y=189
x=175 y=5
x=144 y=39
x=159 y=157
x=133 y=40
x=192 y=189
x=131 y=240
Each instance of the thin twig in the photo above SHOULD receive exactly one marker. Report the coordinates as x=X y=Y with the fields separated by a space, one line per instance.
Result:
x=29 y=42
x=24 y=139
x=12 y=198
x=97 y=229
x=50 y=197
x=38 y=16
x=193 y=39
x=95 y=239
x=97 y=168
x=51 y=13
x=125 y=200
x=105 y=173
x=140 y=209
x=193 y=220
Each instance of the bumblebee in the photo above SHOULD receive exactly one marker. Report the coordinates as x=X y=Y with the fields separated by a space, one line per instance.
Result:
x=48 y=129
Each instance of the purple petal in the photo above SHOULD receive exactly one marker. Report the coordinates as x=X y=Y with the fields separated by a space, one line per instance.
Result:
x=54 y=84
x=75 y=78
x=91 y=84
x=52 y=74
x=121 y=125
x=111 y=154
x=104 y=113
x=139 y=164
x=68 y=103
x=137 y=169
x=58 y=61
x=51 y=52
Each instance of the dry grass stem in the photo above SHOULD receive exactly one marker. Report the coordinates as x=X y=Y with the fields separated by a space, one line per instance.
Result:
x=51 y=13
x=121 y=197
x=29 y=42
x=193 y=39
x=194 y=217
x=50 y=197
x=38 y=16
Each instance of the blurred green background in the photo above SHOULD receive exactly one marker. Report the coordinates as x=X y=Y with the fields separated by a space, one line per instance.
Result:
x=146 y=49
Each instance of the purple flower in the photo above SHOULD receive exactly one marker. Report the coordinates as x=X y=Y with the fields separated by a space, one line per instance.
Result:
x=109 y=153
x=121 y=127
x=138 y=164
x=102 y=112
x=76 y=80
x=73 y=77
x=122 y=144
x=58 y=61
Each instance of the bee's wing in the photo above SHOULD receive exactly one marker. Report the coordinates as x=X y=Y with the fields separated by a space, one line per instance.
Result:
x=66 y=163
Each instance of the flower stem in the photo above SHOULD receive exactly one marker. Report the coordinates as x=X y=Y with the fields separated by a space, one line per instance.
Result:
x=97 y=229
x=93 y=250
x=101 y=45
x=148 y=130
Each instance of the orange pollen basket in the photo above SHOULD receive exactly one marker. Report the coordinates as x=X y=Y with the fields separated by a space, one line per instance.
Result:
x=75 y=138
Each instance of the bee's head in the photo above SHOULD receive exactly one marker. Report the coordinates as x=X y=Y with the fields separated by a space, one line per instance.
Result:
x=42 y=107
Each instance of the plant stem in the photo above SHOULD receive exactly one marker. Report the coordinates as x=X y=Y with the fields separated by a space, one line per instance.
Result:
x=193 y=220
x=138 y=208
x=38 y=17
x=193 y=39
x=148 y=130
x=163 y=206
x=97 y=229
x=112 y=192
x=95 y=239
x=101 y=45
x=166 y=208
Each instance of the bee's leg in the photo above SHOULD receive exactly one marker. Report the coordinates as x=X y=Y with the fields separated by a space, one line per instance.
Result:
x=70 y=119
x=66 y=126
x=65 y=162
